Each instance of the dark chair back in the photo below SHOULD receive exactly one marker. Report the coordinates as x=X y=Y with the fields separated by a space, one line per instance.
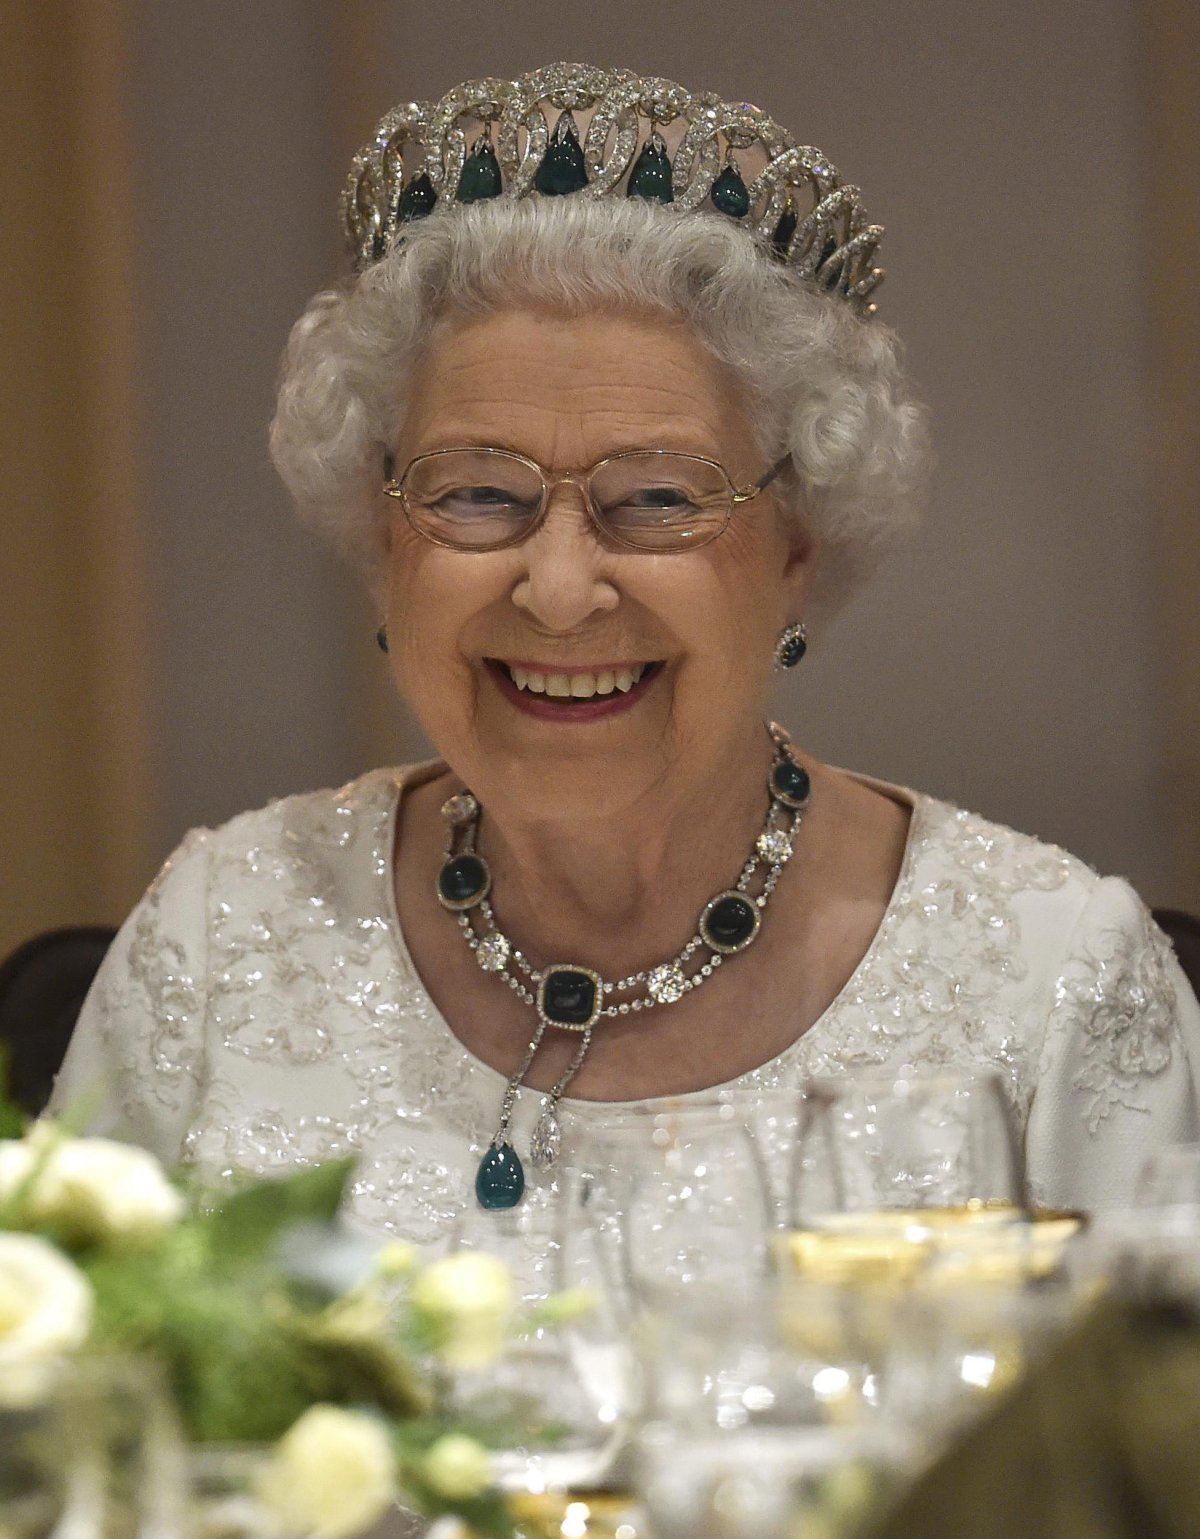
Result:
x=42 y=988
x=1184 y=932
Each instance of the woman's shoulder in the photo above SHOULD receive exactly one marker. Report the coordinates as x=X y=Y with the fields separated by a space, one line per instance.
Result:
x=957 y=862
x=305 y=825
x=366 y=795
x=955 y=844
x=976 y=896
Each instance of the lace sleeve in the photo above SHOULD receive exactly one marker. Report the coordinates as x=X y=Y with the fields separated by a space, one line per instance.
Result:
x=1117 y=1075
x=133 y=1068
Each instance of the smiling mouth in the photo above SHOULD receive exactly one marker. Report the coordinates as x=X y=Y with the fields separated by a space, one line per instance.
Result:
x=580 y=684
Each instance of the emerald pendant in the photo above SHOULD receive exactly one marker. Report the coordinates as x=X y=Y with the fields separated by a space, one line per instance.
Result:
x=569 y=997
x=417 y=199
x=790 y=783
x=480 y=176
x=729 y=193
x=463 y=881
x=729 y=922
x=500 y=1180
x=651 y=174
x=562 y=169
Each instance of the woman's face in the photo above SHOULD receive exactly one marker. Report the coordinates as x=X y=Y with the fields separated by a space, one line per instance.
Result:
x=697 y=629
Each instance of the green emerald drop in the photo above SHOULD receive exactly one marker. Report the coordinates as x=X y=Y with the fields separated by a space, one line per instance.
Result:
x=562 y=169
x=480 y=177
x=500 y=1180
x=729 y=193
x=651 y=174
x=417 y=199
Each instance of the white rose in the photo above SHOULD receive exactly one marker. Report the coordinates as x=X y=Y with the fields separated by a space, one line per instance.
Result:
x=101 y=1190
x=457 y=1467
x=333 y=1474
x=45 y=1311
x=467 y=1300
x=16 y=1166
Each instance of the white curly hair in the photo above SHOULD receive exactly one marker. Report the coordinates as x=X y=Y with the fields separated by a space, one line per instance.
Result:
x=826 y=386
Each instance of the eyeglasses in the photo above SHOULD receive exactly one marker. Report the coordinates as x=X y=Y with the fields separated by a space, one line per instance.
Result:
x=648 y=499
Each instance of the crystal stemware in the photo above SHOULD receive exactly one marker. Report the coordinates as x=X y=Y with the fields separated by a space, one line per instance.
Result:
x=689 y=1196
x=887 y=1171
x=558 y=1400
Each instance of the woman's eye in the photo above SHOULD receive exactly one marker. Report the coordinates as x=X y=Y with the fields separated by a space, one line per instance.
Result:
x=659 y=497
x=472 y=499
x=652 y=500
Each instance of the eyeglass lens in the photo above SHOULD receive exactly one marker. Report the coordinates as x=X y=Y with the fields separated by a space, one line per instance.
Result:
x=478 y=500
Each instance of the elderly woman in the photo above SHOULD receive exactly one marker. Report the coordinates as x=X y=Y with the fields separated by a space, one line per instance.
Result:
x=607 y=419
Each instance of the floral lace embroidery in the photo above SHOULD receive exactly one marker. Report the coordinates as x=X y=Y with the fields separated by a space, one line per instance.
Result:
x=1119 y=1004
x=160 y=986
x=321 y=1040
x=926 y=995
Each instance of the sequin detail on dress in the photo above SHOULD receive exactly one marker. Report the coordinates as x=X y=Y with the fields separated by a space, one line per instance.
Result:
x=1120 y=1002
x=261 y=1010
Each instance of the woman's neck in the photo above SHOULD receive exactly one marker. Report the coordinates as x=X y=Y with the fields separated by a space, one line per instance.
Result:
x=623 y=891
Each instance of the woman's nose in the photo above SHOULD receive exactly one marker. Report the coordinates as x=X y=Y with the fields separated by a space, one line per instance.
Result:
x=566 y=577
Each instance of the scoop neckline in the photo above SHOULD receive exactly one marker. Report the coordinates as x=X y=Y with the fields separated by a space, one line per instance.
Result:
x=410 y=776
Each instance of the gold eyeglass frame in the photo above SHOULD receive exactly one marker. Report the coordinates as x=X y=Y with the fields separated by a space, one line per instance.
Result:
x=394 y=487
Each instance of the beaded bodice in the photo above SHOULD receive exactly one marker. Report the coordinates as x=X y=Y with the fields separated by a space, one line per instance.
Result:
x=260 y=1009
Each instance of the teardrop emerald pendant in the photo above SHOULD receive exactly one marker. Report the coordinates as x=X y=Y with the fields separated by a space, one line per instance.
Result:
x=651 y=174
x=417 y=200
x=729 y=193
x=480 y=175
x=500 y=1179
x=563 y=169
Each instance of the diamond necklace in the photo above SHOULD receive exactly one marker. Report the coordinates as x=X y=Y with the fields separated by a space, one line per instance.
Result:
x=570 y=997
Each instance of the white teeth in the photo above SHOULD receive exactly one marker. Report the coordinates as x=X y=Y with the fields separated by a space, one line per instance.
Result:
x=577 y=686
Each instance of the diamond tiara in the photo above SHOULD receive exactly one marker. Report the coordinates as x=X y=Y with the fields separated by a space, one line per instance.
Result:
x=795 y=204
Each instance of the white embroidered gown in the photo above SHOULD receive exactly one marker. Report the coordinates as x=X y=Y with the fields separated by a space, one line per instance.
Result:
x=259 y=1010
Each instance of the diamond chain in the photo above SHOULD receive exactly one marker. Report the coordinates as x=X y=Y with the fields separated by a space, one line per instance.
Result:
x=665 y=983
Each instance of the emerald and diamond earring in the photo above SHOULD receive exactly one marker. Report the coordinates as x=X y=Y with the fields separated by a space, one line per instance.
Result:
x=791 y=646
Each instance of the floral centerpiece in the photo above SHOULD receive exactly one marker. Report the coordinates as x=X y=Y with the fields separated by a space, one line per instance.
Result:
x=103 y=1251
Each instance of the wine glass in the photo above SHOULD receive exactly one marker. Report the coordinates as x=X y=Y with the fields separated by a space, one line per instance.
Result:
x=954 y=1349
x=759 y=1431
x=559 y=1399
x=885 y=1170
x=689 y=1196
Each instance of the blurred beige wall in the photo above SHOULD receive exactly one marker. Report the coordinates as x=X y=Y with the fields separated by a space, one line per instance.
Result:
x=1030 y=655
x=77 y=792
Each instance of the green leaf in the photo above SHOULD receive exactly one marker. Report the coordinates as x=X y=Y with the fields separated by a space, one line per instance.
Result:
x=250 y=1221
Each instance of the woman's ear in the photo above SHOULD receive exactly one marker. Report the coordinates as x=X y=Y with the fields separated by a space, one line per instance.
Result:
x=803 y=547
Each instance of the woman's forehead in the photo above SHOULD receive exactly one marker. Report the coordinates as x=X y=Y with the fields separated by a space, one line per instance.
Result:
x=608 y=382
